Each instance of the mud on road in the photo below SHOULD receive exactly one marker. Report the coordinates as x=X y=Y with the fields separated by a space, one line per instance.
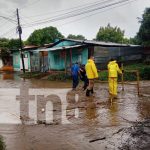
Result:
x=93 y=122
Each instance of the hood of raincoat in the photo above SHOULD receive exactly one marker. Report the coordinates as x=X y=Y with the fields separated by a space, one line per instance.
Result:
x=113 y=69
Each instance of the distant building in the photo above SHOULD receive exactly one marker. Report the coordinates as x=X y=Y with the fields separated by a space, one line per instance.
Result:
x=63 y=53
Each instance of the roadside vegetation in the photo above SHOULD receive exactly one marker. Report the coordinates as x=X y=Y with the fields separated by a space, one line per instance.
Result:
x=2 y=144
x=29 y=75
x=144 y=72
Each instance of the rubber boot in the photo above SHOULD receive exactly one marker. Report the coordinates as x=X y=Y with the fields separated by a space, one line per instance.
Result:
x=87 y=92
x=92 y=91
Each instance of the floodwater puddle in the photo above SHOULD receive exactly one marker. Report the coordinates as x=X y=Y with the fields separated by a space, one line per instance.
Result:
x=46 y=113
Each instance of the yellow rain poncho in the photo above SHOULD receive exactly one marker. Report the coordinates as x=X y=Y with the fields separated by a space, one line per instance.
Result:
x=91 y=70
x=113 y=70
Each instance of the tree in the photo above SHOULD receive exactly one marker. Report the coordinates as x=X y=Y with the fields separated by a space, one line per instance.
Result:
x=6 y=46
x=44 y=36
x=144 y=31
x=4 y=52
x=134 y=40
x=110 y=34
x=3 y=42
x=14 y=44
x=76 y=37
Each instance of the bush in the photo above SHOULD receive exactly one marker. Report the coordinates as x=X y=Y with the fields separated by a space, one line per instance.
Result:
x=129 y=76
x=59 y=77
x=143 y=69
x=103 y=75
x=29 y=75
x=145 y=73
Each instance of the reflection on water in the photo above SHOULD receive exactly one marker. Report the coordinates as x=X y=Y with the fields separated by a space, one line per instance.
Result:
x=12 y=79
x=9 y=76
x=95 y=112
x=128 y=105
x=91 y=112
x=113 y=111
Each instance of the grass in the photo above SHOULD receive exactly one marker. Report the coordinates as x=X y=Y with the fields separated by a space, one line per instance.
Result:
x=143 y=69
x=29 y=75
x=59 y=77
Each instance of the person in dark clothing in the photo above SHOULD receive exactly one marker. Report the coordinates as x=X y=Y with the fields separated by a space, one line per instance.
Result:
x=75 y=72
x=83 y=76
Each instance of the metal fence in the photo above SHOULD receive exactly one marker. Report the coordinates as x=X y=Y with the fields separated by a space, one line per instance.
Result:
x=124 y=54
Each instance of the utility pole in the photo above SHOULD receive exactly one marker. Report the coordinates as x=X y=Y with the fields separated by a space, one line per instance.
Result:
x=20 y=32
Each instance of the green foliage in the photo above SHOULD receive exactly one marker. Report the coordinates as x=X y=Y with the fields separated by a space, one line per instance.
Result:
x=44 y=36
x=3 y=42
x=2 y=144
x=143 y=69
x=59 y=77
x=128 y=76
x=29 y=75
x=6 y=46
x=9 y=43
x=126 y=41
x=135 y=40
x=103 y=75
x=110 y=34
x=144 y=31
x=145 y=73
x=14 y=44
x=76 y=37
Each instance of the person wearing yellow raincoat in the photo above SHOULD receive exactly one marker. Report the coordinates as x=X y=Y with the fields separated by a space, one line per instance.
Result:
x=113 y=70
x=91 y=72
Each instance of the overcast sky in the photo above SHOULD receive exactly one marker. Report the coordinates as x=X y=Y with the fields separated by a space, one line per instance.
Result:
x=123 y=15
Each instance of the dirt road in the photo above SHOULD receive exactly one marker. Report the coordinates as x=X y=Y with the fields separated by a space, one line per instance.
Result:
x=75 y=122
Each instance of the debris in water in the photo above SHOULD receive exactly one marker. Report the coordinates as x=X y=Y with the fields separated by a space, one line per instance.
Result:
x=103 y=138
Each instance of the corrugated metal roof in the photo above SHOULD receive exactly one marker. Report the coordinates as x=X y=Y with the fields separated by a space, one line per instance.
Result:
x=109 y=44
x=100 y=43
x=60 y=48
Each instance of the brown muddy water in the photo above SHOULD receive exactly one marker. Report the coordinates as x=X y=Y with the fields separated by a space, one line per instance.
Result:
x=43 y=115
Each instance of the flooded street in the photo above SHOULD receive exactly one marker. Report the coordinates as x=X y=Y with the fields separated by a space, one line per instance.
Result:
x=38 y=114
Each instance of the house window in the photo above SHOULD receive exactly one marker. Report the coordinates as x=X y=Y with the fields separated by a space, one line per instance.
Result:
x=56 y=59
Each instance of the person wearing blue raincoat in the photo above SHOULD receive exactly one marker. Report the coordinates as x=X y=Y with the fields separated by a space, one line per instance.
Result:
x=75 y=72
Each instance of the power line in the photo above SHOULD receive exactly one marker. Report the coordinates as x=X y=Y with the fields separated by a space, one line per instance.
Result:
x=6 y=21
x=62 y=10
x=76 y=14
x=9 y=19
x=95 y=13
x=79 y=9
x=9 y=31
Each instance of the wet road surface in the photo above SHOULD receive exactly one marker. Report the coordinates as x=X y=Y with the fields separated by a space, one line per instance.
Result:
x=29 y=121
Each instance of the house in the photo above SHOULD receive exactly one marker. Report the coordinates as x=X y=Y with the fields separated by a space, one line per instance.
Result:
x=30 y=57
x=63 y=53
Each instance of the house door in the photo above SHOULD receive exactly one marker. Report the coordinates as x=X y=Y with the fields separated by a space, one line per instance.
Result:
x=25 y=63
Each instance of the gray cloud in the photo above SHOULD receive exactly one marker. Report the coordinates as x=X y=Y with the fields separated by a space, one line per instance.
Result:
x=124 y=17
x=18 y=2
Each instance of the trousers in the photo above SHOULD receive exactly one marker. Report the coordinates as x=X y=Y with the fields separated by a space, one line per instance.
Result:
x=113 y=85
